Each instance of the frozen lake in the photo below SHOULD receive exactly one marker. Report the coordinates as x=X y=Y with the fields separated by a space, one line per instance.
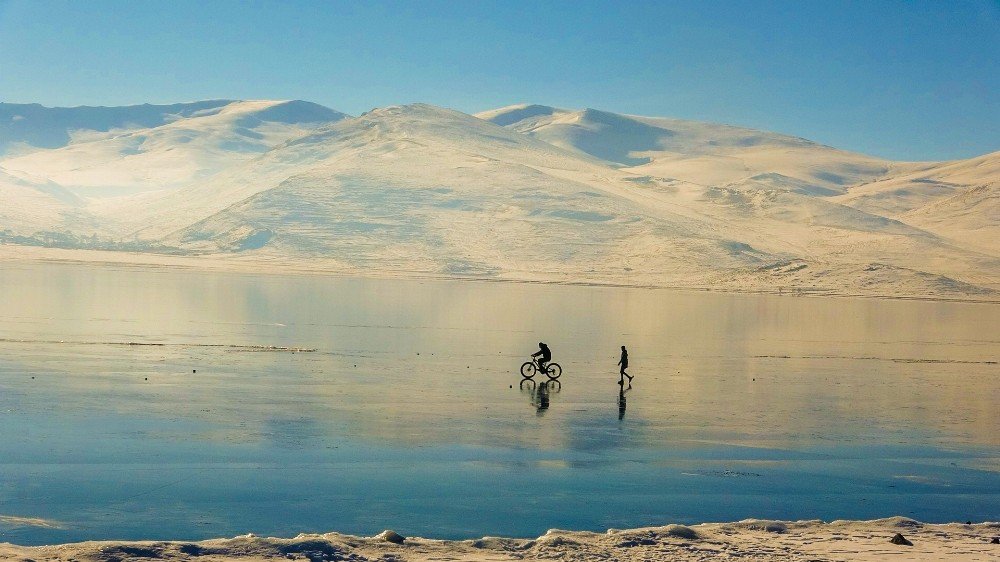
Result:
x=406 y=412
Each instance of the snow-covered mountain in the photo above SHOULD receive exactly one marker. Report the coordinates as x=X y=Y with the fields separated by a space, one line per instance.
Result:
x=27 y=127
x=35 y=207
x=424 y=189
x=523 y=192
x=177 y=149
x=957 y=200
x=692 y=151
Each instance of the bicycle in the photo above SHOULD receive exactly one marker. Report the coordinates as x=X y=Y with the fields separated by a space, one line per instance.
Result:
x=530 y=368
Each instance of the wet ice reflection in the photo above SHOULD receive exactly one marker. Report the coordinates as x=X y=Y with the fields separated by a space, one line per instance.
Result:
x=288 y=404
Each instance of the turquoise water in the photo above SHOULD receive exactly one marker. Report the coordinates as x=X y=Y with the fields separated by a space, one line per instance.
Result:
x=356 y=405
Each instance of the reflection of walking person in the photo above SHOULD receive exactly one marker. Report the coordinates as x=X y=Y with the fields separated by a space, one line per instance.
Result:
x=621 y=402
x=623 y=362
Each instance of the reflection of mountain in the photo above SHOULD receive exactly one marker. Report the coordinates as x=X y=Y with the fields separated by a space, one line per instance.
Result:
x=523 y=192
x=711 y=368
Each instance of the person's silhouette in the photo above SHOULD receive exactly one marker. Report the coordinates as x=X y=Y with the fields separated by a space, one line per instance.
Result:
x=623 y=362
x=544 y=355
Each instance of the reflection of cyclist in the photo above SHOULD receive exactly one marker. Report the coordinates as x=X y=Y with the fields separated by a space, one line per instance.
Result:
x=540 y=398
x=544 y=356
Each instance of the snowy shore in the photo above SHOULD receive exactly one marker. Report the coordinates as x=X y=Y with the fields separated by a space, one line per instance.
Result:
x=745 y=540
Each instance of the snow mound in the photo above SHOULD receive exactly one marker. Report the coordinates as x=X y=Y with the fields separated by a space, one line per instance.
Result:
x=899 y=522
x=766 y=525
x=501 y=543
x=389 y=535
x=680 y=532
x=865 y=541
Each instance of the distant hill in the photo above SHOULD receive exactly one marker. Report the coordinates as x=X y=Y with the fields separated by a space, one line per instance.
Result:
x=956 y=200
x=32 y=126
x=694 y=151
x=177 y=149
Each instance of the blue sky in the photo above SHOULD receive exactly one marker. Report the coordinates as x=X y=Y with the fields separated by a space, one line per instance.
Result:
x=906 y=80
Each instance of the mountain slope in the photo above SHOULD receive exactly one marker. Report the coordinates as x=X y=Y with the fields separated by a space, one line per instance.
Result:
x=426 y=189
x=524 y=192
x=692 y=151
x=422 y=189
x=27 y=208
x=968 y=217
x=955 y=200
x=900 y=193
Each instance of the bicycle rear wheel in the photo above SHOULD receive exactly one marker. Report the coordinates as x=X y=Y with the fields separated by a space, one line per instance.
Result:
x=553 y=371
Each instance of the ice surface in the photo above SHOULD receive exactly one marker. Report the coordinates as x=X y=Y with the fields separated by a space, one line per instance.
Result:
x=281 y=404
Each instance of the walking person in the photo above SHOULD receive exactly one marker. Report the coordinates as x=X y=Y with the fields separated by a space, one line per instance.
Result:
x=623 y=362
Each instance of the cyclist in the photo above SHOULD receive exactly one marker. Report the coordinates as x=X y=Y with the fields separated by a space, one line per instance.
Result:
x=544 y=356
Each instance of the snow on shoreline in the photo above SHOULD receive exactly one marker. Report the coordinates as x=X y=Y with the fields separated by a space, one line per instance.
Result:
x=750 y=539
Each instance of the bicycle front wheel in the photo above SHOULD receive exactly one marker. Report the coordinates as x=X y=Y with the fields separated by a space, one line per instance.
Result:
x=553 y=371
x=528 y=369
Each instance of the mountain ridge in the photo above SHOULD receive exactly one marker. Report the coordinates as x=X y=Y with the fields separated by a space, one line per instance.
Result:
x=527 y=192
